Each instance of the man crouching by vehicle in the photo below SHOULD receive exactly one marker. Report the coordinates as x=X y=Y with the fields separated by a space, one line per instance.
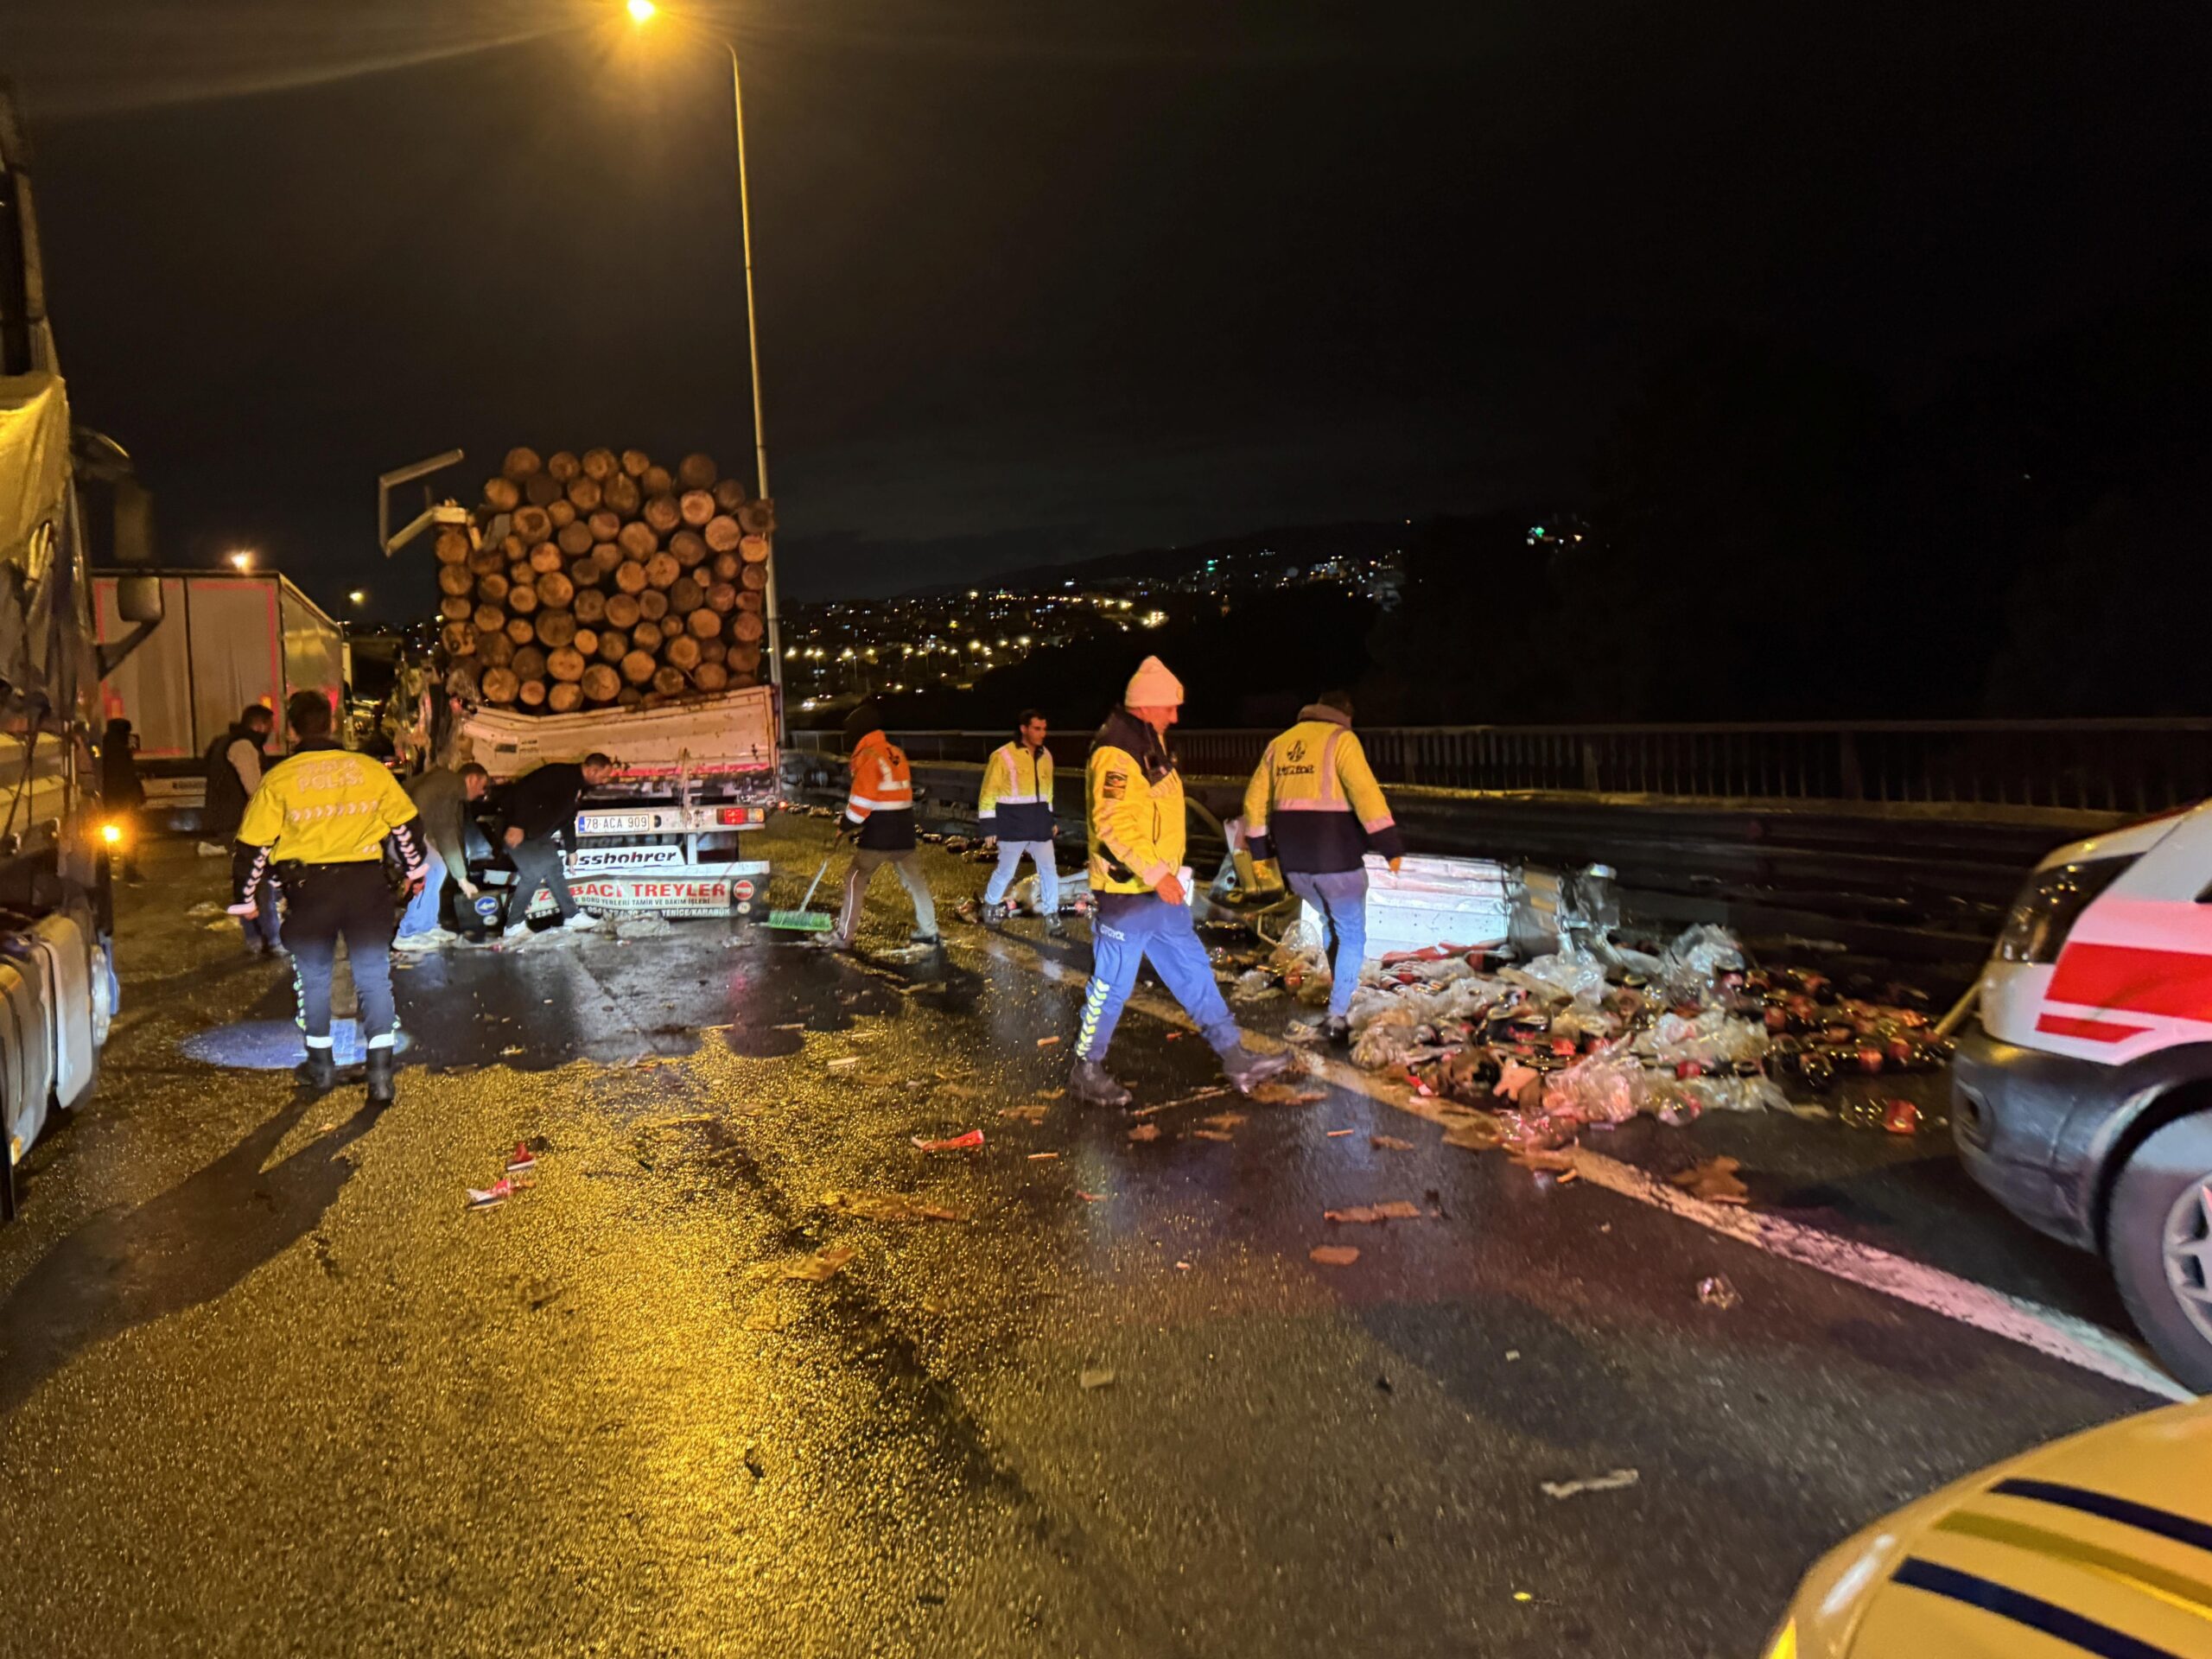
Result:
x=320 y=818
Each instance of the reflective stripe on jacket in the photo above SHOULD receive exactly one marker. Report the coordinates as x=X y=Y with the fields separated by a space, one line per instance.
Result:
x=1313 y=804
x=325 y=806
x=881 y=805
x=1134 y=797
x=1017 y=800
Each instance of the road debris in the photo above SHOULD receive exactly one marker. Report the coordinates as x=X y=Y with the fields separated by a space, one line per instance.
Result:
x=1047 y=1042
x=1043 y=1157
x=822 y=1267
x=1333 y=1256
x=1090 y=1198
x=1287 y=1094
x=755 y=1465
x=1023 y=1114
x=967 y=1142
x=1389 y=1143
x=1617 y=1480
x=1051 y=1094
x=1102 y=1377
x=888 y=1206
x=1338 y=1134
x=1211 y=1134
x=522 y=1159
x=1394 y=1210
x=490 y=1197
x=844 y=1063
x=1713 y=1180
x=1226 y=1120
x=1717 y=1291
x=1145 y=1132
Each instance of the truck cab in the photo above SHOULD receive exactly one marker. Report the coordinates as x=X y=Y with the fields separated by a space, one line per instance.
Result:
x=57 y=979
x=2082 y=1096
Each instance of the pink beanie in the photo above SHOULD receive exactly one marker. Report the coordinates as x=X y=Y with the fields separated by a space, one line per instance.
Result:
x=1152 y=687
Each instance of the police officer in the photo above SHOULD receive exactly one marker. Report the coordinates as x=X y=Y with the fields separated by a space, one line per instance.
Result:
x=1015 y=811
x=1314 y=807
x=1135 y=800
x=321 y=817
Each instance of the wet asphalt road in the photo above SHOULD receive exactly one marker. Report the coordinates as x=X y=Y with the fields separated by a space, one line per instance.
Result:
x=267 y=1387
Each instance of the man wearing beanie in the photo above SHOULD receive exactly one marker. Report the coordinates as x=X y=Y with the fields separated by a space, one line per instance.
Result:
x=879 y=815
x=1135 y=800
x=1314 y=807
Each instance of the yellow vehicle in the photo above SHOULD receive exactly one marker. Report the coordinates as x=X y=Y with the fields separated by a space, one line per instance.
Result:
x=2100 y=1544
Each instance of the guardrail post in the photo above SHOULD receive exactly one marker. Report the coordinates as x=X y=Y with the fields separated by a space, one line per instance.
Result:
x=1590 y=776
x=1855 y=784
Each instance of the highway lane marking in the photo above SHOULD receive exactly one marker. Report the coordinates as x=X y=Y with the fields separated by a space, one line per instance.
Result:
x=2059 y=1336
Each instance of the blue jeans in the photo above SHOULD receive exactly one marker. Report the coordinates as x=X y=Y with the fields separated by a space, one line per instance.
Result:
x=1341 y=897
x=422 y=909
x=1038 y=853
x=1129 y=929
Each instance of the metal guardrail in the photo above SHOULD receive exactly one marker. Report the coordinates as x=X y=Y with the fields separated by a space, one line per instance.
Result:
x=2091 y=766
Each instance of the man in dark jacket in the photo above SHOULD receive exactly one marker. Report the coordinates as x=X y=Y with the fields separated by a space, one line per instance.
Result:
x=442 y=797
x=541 y=811
x=233 y=767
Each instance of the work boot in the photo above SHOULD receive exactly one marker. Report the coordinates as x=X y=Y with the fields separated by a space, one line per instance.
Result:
x=380 y=1089
x=1337 y=1029
x=1054 y=927
x=1247 y=1069
x=929 y=941
x=318 y=1071
x=1091 y=1084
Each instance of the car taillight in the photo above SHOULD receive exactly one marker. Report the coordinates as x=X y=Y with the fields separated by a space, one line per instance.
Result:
x=2051 y=904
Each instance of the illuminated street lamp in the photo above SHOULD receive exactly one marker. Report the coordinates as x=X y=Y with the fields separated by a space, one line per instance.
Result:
x=242 y=559
x=641 y=13
x=356 y=598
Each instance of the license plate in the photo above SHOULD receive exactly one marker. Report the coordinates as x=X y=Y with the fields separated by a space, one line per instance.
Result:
x=614 y=824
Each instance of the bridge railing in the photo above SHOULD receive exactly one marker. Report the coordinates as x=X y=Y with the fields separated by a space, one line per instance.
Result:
x=2094 y=766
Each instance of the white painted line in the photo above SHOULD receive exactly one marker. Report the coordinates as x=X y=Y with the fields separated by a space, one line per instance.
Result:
x=2061 y=1337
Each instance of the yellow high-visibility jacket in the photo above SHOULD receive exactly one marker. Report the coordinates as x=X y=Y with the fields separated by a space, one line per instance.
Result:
x=1016 y=804
x=325 y=806
x=1135 y=800
x=1313 y=804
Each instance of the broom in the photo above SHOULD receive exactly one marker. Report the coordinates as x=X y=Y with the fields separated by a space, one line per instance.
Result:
x=803 y=920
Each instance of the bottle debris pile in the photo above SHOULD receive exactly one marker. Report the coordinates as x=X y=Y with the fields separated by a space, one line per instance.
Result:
x=1576 y=1040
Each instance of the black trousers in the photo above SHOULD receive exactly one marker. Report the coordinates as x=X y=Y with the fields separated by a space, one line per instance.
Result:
x=537 y=864
x=325 y=903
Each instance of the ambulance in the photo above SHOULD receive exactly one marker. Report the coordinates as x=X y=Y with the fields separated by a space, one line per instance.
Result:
x=2082 y=1096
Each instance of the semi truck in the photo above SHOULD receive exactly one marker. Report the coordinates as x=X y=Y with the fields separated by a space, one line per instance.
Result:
x=58 y=986
x=230 y=639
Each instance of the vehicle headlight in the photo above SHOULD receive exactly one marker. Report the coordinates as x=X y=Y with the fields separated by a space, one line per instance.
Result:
x=111 y=833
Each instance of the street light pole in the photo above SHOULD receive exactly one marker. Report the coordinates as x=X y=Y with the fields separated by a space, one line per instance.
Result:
x=773 y=615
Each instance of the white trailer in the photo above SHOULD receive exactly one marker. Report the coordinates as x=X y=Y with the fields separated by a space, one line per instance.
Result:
x=230 y=639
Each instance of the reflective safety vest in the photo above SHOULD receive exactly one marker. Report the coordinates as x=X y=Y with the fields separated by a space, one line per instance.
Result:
x=1136 y=808
x=1017 y=799
x=881 y=805
x=325 y=806
x=1313 y=804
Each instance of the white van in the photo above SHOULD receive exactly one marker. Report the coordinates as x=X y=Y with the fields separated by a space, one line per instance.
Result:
x=2082 y=1099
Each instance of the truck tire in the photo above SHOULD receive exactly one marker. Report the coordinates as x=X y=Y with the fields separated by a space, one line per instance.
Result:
x=2159 y=1239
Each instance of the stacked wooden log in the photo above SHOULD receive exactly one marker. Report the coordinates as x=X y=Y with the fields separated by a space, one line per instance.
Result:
x=601 y=579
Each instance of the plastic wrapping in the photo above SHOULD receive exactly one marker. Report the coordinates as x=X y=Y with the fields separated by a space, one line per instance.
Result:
x=1572 y=977
x=1696 y=959
x=1386 y=1040
x=1714 y=1038
x=1607 y=1087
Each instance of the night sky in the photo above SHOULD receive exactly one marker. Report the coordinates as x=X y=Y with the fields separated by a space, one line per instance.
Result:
x=1043 y=281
